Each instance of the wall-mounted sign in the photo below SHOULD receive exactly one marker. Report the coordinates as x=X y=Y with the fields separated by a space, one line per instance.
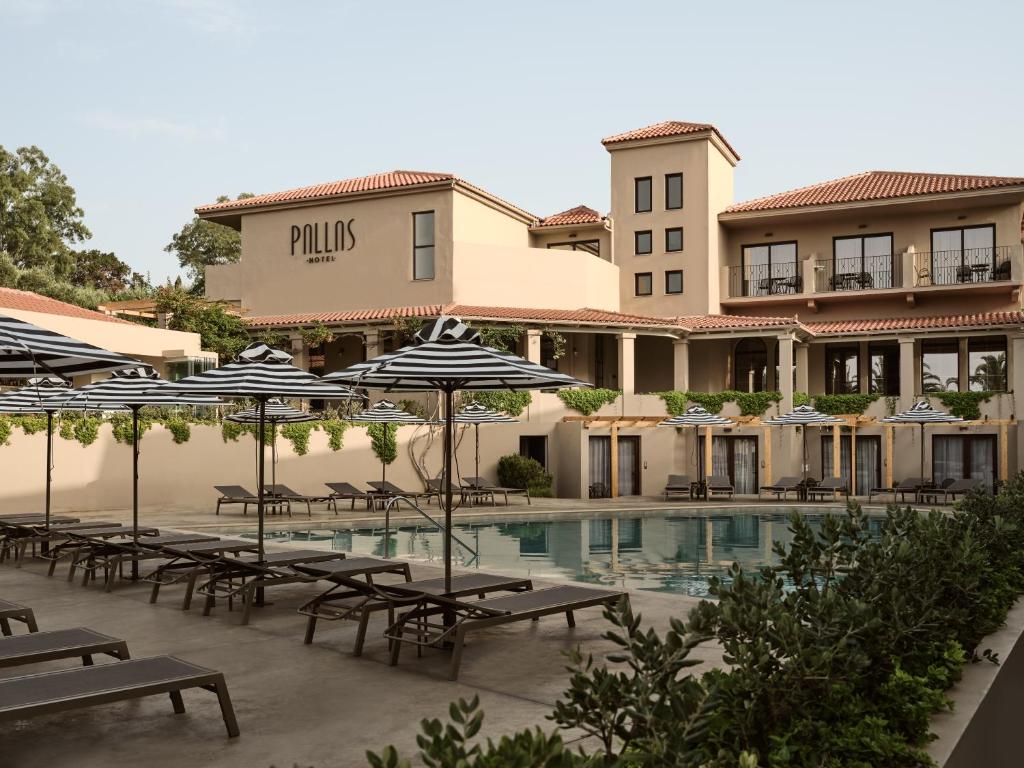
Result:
x=319 y=242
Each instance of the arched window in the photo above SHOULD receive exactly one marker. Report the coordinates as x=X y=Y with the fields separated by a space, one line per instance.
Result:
x=750 y=366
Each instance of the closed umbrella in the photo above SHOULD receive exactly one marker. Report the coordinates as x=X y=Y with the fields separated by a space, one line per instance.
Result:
x=803 y=416
x=277 y=412
x=28 y=350
x=261 y=373
x=921 y=414
x=131 y=389
x=477 y=414
x=449 y=356
x=386 y=412
x=697 y=416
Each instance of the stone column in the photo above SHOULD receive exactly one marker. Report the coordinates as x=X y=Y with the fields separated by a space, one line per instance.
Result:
x=803 y=383
x=908 y=379
x=533 y=345
x=681 y=365
x=300 y=355
x=1016 y=385
x=786 y=373
x=371 y=343
x=627 y=363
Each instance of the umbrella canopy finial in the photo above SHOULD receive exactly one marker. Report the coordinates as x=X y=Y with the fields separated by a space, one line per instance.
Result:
x=258 y=352
x=447 y=330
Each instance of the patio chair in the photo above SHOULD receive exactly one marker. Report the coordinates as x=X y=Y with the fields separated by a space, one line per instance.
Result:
x=68 y=689
x=60 y=644
x=961 y=487
x=828 y=488
x=386 y=489
x=481 y=484
x=80 y=544
x=13 y=612
x=279 y=492
x=782 y=487
x=436 y=491
x=720 y=485
x=348 y=492
x=678 y=485
x=462 y=618
x=187 y=561
x=355 y=600
x=110 y=556
x=236 y=494
x=901 y=489
x=18 y=538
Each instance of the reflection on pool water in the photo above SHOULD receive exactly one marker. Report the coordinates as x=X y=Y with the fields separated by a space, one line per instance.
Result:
x=674 y=552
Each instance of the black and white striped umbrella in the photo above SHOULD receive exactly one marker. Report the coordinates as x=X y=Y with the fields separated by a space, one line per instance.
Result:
x=921 y=414
x=27 y=350
x=697 y=416
x=803 y=416
x=386 y=412
x=449 y=356
x=477 y=414
x=276 y=412
x=261 y=373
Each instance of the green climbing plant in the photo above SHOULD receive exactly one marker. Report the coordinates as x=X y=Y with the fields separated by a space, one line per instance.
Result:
x=335 y=429
x=230 y=431
x=801 y=398
x=298 y=436
x=316 y=335
x=512 y=403
x=504 y=337
x=87 y=430
x=587 y=401
x=30 y=423
x=750 y=403
x=966 y=405
x=180 y=430
x=835 y=405
x=5 y=430
x=384 y=441
x=558 y=343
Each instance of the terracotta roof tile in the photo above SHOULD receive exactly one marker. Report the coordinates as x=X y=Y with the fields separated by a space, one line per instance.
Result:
x=976 y=320
x=666 y=129
x=12 y=298
x=733 y=322
x=581 y=214
x=874 y=185
x=377 y=182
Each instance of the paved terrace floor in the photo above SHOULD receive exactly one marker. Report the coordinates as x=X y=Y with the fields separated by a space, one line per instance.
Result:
x=312 y=705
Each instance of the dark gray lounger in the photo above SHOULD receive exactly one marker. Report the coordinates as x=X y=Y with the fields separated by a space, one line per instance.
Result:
x=49 y=692
x=480 y=484
x=236 y=494
x=113 y=555
x=13 y=612
x=283 y=492
x=59 y=644
x=348 y=492
x=187 y=561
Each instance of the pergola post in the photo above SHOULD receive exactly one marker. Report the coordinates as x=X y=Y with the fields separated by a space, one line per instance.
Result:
x=371 y=343
x=908 y=379
x=533 y=345
x=888 y=456
x=627 y=363
x=614 y=441
x=681 y=365
x=853 y=459
x=837 y=453
x=767 y=454
x=708 y=464
x=785 y=363
x=1004 y=459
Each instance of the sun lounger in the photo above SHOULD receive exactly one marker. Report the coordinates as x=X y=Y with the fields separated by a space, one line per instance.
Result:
x=782 y=487
x=480 y=484
x=678 y=485
x=720 y=485
x=49 y=692
x=828 y=488
x=902 y=488
x=110 y=556
x=464 y=617
x=60 y=644
x=188 y=560
x=386 y=490
x=357 y=600
x=348 y=492
x=278 y=492
x=13 y=612
x=19 y=539
x=236 y=494
x=960 y=487
x=80 y=544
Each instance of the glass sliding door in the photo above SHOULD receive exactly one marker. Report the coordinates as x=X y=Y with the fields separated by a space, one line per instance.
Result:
x=869 y=461
x=736 y=458
x=600 y=467
x=629 y=466
x=769 y=269
x=964 y=456
x=963 y=254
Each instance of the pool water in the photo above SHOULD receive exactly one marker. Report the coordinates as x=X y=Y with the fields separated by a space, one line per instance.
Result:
x=673 y=552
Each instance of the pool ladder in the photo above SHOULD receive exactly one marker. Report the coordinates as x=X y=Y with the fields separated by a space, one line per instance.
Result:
x=394 y=500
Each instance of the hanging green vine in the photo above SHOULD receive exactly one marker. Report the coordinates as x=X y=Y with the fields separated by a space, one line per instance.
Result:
x=316 y=335
x=966 y=405
x=801 y=398
x=383 y=440
x=274 y=338
x=87 y=429
x=180 y=430
x=5 y=430
x=890 y=405
x=230 y=431
x=588 y=401
x=298 y=436
x=335 y=429
x=835 y=405
x=512 y=403
x=558 y=343
x=504 y=337
x=66 y=429
x=750 y=403
x=30 y=423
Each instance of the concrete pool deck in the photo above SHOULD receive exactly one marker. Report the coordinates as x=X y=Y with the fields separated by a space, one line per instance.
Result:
x=314 y=705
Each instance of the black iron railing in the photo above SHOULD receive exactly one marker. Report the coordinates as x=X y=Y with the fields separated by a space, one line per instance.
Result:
x=967 y=265
x=856 y=273
x=765 y=279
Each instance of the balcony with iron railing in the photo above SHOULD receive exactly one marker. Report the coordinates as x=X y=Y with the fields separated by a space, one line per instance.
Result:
x=967 y=265
x=782 y=278
x=857 y=273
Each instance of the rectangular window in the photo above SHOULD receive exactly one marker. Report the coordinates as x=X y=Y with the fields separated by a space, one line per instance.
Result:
x=940 y=365
x=964 y=255
x=769 y=269
x=884 y=371
x=673 y=191
x=642 y=192
x=534 y=447
x=842 y=369
x=643 y=283
x=643 y=243
x=423 y=245
x=588 y=246
x=860 y=262
x=964 y=457
x=674 y=281
x=674 y=239
x=986 y=363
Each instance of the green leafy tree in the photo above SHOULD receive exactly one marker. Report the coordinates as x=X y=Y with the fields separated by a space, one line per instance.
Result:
x=220 y=330
x=103 y=270
x=39 y=214
x=202 y=243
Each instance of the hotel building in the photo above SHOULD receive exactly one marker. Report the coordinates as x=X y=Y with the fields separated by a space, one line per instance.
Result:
x=884 y=283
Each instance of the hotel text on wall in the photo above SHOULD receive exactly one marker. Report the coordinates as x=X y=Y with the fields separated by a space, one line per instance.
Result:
x=319 y=241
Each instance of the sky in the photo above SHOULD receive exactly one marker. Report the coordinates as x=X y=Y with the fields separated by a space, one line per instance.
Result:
x=152 y=108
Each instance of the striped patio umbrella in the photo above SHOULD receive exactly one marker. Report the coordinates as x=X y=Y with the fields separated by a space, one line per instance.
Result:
x=922 y=414
x=386 y=412
x=130 y=389
x=449 y=356
x=697 y=416
x=277 y=412
x=27 y=350
x=803 y=416
x=36 y=397
x=477 y=414
x=261 y=373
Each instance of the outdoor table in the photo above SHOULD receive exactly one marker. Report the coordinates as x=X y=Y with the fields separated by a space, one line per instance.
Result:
x=698 y=490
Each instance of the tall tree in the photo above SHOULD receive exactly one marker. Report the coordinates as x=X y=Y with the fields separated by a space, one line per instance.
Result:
x=220 y=330
x=102 y=270
x=202 y=243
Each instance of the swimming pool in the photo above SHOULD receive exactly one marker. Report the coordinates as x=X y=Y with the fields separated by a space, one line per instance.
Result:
x=673 y=552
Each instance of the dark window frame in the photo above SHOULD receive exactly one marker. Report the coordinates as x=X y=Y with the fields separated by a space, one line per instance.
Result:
x=833 y=348
x=1006 y=358
x=954 y=342
x=735 y=368
x=592 y=247
x=673 y=272
x=968 y=454
x=669 y=176
x=674 y=229
x=650 y=194
x=876 y=345
x=636 y=242
x=963 y=251
x=636 y=283
x=863 y=265
x=416 y=247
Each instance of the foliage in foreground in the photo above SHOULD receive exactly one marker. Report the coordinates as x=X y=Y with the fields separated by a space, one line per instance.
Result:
x=836 y=657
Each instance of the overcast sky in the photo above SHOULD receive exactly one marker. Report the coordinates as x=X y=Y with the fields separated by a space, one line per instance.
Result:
x=152 y=108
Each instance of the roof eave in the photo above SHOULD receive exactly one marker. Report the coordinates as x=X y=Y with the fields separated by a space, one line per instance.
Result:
x=709 y=134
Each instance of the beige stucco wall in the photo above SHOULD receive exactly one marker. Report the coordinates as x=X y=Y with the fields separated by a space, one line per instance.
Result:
x=474 y=221
x=542 y=238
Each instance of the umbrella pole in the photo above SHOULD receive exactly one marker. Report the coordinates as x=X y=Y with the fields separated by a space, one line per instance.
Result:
x=922 y=450
x=49 y=463
x=449 y=404
x=261 y=432
x=135 y=487
x=476 y=428
x=273 y=454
